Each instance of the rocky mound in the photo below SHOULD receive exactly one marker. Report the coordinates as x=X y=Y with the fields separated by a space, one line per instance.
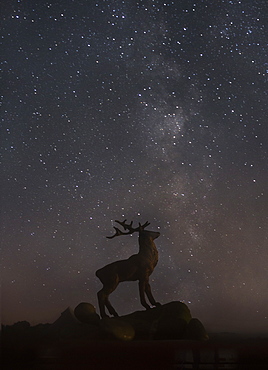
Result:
x=171 y=321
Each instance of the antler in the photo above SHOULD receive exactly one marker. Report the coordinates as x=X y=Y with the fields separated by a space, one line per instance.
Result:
x=126 y=226
x=129 y=227
x=144 y=225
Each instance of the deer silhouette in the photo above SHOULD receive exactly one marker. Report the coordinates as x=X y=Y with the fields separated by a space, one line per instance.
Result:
x=137 y=267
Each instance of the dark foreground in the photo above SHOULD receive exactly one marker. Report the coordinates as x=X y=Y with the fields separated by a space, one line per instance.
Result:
x=165 y=337
x=220 y=352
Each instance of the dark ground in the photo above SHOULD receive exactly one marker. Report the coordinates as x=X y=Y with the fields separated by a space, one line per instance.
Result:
x=80 y=340
x=26 y=347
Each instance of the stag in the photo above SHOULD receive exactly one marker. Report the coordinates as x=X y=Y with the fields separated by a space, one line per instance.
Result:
x=137 y=267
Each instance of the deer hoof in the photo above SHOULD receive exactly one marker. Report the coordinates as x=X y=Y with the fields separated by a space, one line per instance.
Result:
x=104 y=316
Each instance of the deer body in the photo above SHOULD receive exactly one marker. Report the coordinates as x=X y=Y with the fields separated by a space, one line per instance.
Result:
x=137 y=267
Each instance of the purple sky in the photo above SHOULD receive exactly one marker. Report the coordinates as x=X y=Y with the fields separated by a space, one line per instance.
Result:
x=144 y=110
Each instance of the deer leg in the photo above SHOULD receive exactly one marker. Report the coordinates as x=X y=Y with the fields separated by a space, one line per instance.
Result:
x=103 y=298
x=149 y=294
x=110 y=308
x=142 y=285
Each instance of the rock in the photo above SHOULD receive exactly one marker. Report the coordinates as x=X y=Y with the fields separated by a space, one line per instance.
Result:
x=170 y=328
x=65 y=327
x=68 y=328
x=170 y=321
x=117 y=328
x=173 y=321
x=167 y=321
x=86 y=312
x=177 y=309
x=66 y=318
x=196 y=331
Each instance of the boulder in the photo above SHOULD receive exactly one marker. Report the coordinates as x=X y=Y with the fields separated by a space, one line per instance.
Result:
x=167 y=321
x=170 y=321
x=170 y=328
x=66 y=327
x=86 y=312
x=117 y=329
x=196 y=331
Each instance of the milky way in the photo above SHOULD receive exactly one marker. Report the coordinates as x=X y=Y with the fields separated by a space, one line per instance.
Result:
x=137 y=110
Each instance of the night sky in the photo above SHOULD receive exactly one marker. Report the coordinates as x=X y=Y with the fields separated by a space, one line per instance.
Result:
x=137 y=110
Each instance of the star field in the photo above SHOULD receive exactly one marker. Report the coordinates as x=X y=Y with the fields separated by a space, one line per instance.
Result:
x=144 y=110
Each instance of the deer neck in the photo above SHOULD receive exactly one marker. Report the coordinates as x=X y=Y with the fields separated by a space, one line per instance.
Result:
x=147 y=247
